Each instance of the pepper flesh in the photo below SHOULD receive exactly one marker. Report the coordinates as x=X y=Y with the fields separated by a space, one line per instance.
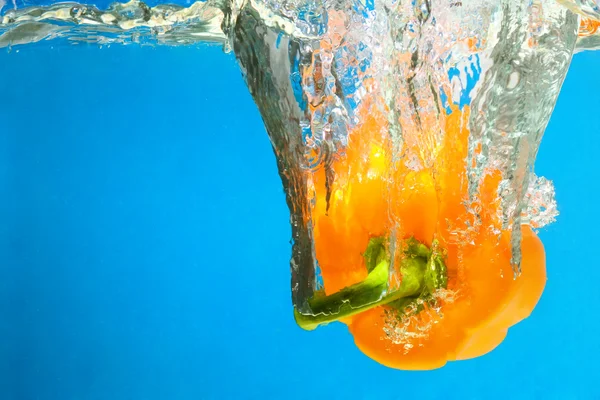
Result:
x=372 y=194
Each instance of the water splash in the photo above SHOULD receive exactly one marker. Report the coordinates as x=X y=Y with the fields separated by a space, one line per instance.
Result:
x=540 y=203
x=201 y=22
x=318 y=70
x=413 y=324
x=586 y=8
x=124 y=23
x=416 y=62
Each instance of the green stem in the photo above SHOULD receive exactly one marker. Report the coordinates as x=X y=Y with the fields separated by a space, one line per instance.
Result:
x=364 y=295
x=421 y=274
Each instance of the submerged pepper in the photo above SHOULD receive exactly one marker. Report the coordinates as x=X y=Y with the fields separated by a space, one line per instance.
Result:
x=419 y=272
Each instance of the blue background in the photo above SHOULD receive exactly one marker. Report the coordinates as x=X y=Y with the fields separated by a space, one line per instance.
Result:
x=144 y=244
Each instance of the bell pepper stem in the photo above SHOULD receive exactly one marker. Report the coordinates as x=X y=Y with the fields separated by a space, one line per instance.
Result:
x=421 y=273
x=371 y=292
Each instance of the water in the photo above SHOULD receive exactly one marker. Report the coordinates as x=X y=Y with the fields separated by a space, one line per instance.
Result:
x=267 y=79
x=413 y=70
x=133 y=22
x=106 y=297
x=174 y=24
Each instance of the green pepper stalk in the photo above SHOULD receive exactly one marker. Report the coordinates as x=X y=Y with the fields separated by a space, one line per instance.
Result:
x=422 y=273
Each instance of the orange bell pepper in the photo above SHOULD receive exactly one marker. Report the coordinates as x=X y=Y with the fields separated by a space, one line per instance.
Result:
x=588 y=27
x=442 y=286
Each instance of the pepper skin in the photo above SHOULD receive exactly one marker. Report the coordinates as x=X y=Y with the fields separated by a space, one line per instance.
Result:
x=372 y=194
